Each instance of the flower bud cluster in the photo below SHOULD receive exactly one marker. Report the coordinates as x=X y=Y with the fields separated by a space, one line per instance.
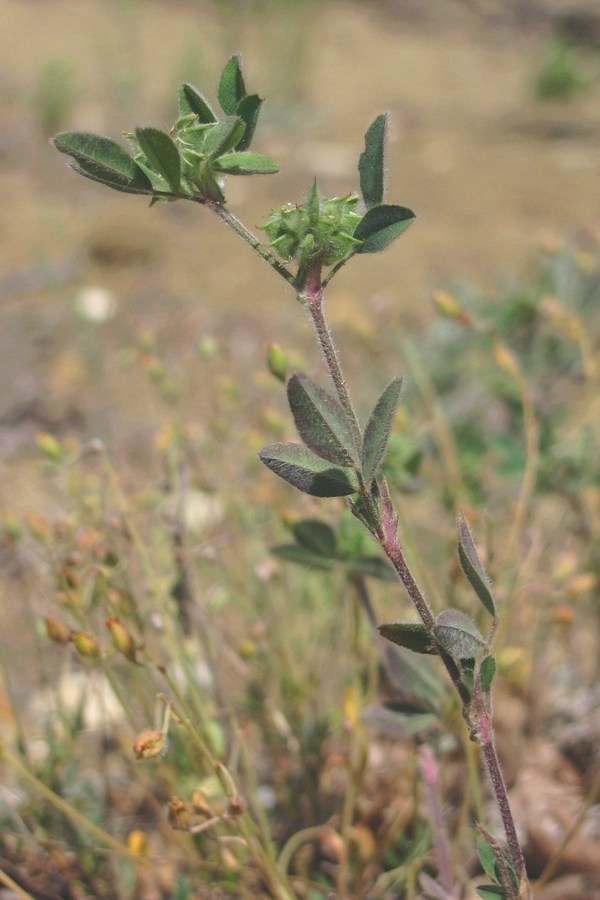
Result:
x=320 y=228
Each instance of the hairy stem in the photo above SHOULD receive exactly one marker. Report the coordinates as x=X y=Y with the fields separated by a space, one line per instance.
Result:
x=246 y=235
x=474 y=709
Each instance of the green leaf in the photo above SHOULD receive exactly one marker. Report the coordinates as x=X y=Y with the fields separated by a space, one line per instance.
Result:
x=321 y=421
x=381 y=225
x=223 y=137
x=371 y=165
x=248 y=109
x=491 y=892
x=378 y=429
x=245 y=163
x=472 y=567
x=96 y=173
x=162 y=154
x=231 y=86
x=192 y=101
x=487 y=856
x=411 y=635
x=315 y=535
x=102 y=159
x=458 y=635
x=487 y=670
x=313 y=204
x=307 y=472
x=303 y=556
x=373 y=567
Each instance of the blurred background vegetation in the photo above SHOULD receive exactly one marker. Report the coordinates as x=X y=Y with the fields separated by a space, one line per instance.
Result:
x=147 y=330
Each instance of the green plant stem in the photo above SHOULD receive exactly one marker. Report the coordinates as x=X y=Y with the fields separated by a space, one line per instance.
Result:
x=246 y=235
x=297 y=840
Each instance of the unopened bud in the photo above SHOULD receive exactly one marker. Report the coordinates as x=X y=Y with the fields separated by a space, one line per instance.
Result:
x=277 y=361
x=57 y=630
x=48 y=444
x=448 y=306
x=122 y=640
x=86 y=644
x=179 y=814
x=150 y=745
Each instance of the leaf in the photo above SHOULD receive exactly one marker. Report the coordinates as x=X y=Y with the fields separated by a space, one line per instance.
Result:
x=95 y=173
x=378 y=429
x=303 y=556
x=413 y=636
x=491 y=892
x=487 y=670
x=248 y=109
x=223 y=137
x=306 y=471
x=162 y=154
x=472 y=567
x=192 y=101
x=487 y=856
x=313 y=204
x=373 y=567
x=458 y=635
x=381 y=225
x=231 y=86
x=245 y=163
x=315 y=535
x=102 y=159
x=321 y=421
x=371 y=164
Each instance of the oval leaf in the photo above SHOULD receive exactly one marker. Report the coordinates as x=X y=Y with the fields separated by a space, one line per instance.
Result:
x=472 y=567
x=371 y=164
x=458 y=635
x=316 y=536
x=223 y=137
x=381 y=225
x=102 y=159
x=487 y=670
x=248 y=109
x=378 y=429
x=245 y=163
x=321 y=421
x=306 y=471
x=162 y=154
x=231 y=86
x=413 y=636
x=302 y=556
x=116 y=182
x=192 y=101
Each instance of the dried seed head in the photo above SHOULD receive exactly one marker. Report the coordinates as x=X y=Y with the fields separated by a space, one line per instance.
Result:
x=200 y=803
x=180 y=816
x=235 y=806
x=150 y=745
